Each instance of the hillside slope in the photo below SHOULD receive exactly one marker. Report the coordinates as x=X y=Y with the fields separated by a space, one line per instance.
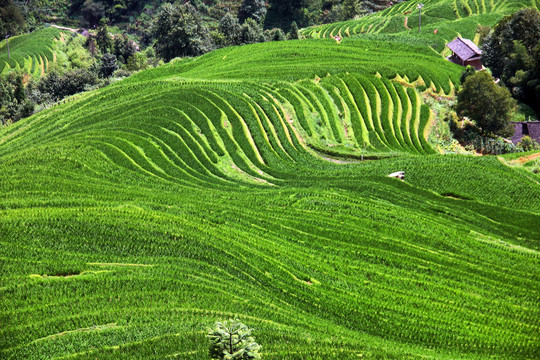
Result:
x=134 y=216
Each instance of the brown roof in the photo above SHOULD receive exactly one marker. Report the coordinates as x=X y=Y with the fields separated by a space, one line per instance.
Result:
x=464 y=48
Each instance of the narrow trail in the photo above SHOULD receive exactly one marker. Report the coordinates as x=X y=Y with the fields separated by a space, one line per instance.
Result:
x=65 y=28
x=406 y=21
x=525 y=159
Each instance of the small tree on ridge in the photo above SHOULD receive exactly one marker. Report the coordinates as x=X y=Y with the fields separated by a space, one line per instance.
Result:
x=230 y=339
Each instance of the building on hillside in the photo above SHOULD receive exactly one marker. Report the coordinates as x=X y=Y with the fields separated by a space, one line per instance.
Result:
x=523 y=128
x=465 y=52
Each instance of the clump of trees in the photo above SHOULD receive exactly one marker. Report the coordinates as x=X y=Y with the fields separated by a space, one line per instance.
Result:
x=179 y=31
x=230 y=339
x=12 y=20
x=14 y=103
x=512 y=52
x=487 y=103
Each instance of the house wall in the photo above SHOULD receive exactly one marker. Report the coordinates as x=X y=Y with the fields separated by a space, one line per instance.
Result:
x=530 y=128
x=477 y=64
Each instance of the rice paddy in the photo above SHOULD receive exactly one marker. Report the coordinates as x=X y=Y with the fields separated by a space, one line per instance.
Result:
x=232 y=186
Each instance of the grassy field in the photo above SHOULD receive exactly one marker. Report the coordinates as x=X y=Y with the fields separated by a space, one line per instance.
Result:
x=31 y=53
x=230 y=185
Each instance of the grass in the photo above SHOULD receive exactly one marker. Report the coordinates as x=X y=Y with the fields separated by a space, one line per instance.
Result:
x=134 y=216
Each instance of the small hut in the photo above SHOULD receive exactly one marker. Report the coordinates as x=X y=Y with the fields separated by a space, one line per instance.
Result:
x=465 y=52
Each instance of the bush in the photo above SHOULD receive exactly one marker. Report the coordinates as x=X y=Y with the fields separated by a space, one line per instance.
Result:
x=55 y=86
x=527 y=143
x=231 y=339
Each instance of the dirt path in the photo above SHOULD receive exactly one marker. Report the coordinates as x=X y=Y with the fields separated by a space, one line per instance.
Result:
x=525 y=159
x=406 y=21
x=65 y=28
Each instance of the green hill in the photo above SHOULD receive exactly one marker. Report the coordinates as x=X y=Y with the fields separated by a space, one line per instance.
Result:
x=31 y=53
x=134 y=216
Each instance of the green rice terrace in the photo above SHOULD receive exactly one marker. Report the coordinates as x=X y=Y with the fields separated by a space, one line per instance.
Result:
x=33 y=53
x=231 y=186
x=442 y=21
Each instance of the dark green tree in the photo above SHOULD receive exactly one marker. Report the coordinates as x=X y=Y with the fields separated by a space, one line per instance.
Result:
x=231 y=29
x=294 y=34
x=108 y=66
x=104 y=41
x=512 y=52
x=124 y=48
x=351 y=8
x=251 y=32
x=527 y=143
x=12 y=20
x=277 y=35
x=54 y=86
x=91 y=13
x=255 y=9
x=230 y=339
x=488 y=104
x=179 y=31
x=469 y=70
x=281 y=13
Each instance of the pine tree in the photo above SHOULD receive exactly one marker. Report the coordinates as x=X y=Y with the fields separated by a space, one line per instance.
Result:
x=231 y=339
x=294 y=33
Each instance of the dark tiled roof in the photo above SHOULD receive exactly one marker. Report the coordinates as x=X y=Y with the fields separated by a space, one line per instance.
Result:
x=464 y=48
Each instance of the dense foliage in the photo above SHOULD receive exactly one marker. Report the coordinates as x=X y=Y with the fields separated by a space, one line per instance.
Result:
x=512 y=52
x=255 y=9
x=179 y=32
x=11 y=18
x=488 y=104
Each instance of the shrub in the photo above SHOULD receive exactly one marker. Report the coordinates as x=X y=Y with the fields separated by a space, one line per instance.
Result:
x=231 y=339
x=527 y=143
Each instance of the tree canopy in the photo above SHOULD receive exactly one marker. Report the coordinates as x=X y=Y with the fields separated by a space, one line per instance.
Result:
x=512 y=52
x=11 y=18
x=255 y=9
x=179 y=31
x=488 y=104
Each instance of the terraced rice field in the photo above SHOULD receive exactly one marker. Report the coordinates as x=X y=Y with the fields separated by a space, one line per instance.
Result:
x=449 y=17
x=134 y=216
x=31 y=53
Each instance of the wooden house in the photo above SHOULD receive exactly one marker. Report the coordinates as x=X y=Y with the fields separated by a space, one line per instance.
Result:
x=465 y=52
